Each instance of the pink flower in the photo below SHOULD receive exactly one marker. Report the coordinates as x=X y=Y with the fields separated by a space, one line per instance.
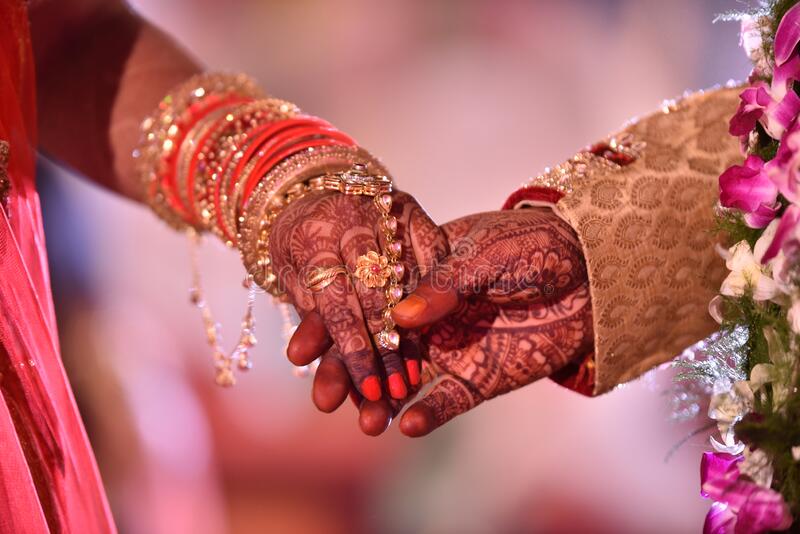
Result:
x=741 y=506
x=784 y=168
x=775 y=105
x=787 y=36
x=748 y=188
x=787 y=235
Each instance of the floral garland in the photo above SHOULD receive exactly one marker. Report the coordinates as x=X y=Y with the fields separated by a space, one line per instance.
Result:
x=752 y=472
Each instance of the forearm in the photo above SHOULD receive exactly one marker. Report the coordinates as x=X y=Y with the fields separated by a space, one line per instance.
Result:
x=100 y=70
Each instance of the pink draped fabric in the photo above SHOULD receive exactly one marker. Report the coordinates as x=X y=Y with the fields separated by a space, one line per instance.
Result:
x=48 y=477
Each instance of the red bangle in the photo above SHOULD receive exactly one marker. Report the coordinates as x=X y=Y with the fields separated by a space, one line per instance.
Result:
x=287 y=138
x=267 y=139
x=261 y=135
x=273 y=156
x=199 y=147
x=285 y=151
x=292 y=150
x=229 y=177
x=195 y=113
x=262 y=138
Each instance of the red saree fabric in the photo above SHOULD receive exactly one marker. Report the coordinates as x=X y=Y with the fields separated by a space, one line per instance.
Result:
x=48 y=477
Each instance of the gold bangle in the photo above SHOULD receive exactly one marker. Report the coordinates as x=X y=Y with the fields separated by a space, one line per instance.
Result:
x=357 y=181
x=265 y=111
x=224 y=144
x=187 y=152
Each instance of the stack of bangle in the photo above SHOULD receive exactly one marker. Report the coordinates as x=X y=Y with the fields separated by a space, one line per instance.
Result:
x=218 y=156
x=165 y=132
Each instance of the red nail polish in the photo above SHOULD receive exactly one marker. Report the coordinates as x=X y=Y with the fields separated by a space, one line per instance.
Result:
x=371 y=388
x=397 y=387
x=412 y=367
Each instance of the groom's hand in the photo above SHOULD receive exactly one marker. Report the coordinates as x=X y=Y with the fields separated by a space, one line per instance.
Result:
x=509 y=305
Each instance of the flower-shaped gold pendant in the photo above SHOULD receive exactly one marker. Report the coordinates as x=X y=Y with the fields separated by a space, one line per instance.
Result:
x=372 y=269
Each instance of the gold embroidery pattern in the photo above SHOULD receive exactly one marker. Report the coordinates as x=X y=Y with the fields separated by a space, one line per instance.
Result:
x=5 y=183
x=604 y=156
x=646 y=232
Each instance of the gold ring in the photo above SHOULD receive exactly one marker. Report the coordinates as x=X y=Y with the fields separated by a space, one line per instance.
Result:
x=373 y=269
x=322 y=277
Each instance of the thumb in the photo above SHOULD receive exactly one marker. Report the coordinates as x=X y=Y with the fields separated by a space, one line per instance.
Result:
x=440 y=291
x=436 y=297
x=451 y=396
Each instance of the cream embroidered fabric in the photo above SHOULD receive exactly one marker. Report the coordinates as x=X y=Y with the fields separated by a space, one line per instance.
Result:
x=646 y=230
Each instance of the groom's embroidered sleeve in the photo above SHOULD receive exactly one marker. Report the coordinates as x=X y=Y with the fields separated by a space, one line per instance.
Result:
x=642 y=205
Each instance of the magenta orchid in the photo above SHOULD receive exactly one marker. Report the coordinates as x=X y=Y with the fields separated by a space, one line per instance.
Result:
x=774 y=105
x=749 y=188
x=787 y=36
x=753 y=188
x=740 y=474
x=784 y=168
x=741 y=505
x=787 y=235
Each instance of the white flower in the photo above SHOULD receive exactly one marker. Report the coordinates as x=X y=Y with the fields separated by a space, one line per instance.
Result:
x=715 y=308
x=729 y=445
x=779 y=373
x=763 y=242
x=750 y=40
x=758 y=466
x=796 y=453
x=730 y=405
x=793 y=316
x=747 y=273
x=727 y=408
x=778 y=268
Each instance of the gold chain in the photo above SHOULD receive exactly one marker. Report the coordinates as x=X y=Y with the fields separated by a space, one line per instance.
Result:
x=239 y=357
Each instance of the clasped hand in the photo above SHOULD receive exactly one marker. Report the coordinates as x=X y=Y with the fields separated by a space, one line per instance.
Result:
x=494 y=301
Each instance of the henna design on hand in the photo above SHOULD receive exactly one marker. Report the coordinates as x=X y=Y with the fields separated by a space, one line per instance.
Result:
x=526 y=310
x=328 y=229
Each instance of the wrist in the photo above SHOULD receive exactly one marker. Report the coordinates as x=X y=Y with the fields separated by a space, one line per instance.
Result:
x=217 y=156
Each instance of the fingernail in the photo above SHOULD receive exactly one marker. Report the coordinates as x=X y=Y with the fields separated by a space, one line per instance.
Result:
x=411 y=307
x=397 y=386
x=371 y=388
x=412 y=367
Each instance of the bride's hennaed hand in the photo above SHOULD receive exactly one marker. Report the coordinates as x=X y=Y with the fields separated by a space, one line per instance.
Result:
x=509 y=305
x=330 y=229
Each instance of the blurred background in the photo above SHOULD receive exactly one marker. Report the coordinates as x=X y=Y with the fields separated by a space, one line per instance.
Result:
x=464 y=100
